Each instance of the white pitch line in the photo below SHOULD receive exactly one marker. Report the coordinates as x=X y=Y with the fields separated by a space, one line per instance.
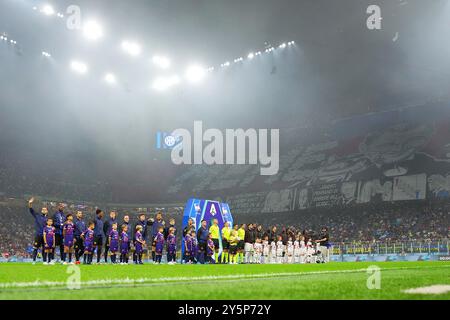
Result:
x=434 y=289
x=138 y=281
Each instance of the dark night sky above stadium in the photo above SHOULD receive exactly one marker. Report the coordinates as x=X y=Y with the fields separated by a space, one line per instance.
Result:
x=338 y=68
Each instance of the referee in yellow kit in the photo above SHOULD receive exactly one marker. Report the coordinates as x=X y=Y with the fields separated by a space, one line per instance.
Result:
x=214 y=230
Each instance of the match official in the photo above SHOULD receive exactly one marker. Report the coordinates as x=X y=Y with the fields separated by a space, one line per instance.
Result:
x=214 y=230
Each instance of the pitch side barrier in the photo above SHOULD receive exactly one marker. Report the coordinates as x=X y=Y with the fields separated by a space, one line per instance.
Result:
x=432 y=250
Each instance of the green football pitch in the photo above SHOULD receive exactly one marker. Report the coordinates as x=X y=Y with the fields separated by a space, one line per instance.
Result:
x=244 y=282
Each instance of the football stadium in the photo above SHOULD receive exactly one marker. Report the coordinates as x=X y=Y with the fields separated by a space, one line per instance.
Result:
x=187 y=150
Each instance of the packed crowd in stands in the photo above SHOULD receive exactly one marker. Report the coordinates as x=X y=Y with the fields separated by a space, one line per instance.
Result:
x=403 y=221
x=16 y=233
x=17 y=178
x=392 y=221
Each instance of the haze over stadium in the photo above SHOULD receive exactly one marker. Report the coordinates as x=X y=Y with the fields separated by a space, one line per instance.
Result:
x=91 y=93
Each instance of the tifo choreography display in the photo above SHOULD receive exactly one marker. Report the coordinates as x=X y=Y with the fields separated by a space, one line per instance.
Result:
x=79 y=241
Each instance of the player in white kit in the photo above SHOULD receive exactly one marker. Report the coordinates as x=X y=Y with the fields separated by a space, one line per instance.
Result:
x=302 y=250
x=257 y=251
x=290 y=251
x=280 y=250
x=266 y=249
x=297 y=250
x=310 y=251
x=273 y=252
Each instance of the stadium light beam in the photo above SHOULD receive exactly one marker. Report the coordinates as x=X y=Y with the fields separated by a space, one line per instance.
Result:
x=132 y=48
x=92 y=30
x=48 y=10
x=110 y=78
x=195 y=74
x=79 y=67
x=161 y=62
x=164 y=83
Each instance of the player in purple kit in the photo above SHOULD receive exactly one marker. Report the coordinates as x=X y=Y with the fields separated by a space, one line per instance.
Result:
x=49 y=240
x=88 y=238
x=124 y=244
x=139 y=244
x=159 y=245
x=194 y=247
x=171 y=246
x=187 y=242
x=210 y=250
x=113 y=242
x=68 y=236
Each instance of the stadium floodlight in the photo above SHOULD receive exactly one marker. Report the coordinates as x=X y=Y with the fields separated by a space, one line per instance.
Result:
x=79 y=67
x=60 y=15
x=164 y=83
x=161 y=61
x=226 y=64
x=92 y=30
x=48 y=10
x=195 y=74
x=283 y=45
x=46 y=54
x=251 y=55
x=110 y=78
x=290 y=43
x=132 y=48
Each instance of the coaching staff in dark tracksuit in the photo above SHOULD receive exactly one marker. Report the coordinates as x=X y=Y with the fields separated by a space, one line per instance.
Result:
x=40 y=220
